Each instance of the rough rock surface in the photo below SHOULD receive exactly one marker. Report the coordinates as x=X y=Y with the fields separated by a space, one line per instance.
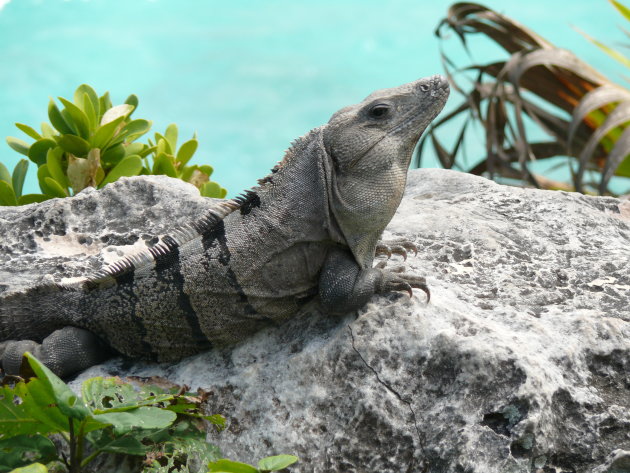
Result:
x=520 y=363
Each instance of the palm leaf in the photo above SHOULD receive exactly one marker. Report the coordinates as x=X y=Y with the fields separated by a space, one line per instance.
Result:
x=584 y=113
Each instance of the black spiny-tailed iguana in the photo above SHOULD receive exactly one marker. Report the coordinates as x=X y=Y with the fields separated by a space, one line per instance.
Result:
x=310 y=228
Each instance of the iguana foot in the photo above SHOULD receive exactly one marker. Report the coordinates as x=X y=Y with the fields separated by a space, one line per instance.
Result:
x=399 y=246
x=396 y=280
x=65 y=352
x=344 y=286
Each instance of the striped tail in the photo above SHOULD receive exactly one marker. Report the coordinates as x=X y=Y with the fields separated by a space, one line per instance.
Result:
x=37 y=312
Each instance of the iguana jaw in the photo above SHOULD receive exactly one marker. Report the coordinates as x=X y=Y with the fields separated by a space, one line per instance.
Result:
x=370 y=156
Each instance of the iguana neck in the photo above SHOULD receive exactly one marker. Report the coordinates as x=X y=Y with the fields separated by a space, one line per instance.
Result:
x=292 y=202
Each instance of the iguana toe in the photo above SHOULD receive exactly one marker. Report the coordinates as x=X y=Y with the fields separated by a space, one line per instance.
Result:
x=398 y=281
x=395 y=247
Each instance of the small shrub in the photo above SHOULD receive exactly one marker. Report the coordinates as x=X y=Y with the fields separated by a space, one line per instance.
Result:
x=165 y=425
x=90 y=142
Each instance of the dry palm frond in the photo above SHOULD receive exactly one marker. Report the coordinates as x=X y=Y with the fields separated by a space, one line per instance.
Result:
x=585 y=114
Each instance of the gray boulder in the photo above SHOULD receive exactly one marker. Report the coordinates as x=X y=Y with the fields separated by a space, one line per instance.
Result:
x=519 y=363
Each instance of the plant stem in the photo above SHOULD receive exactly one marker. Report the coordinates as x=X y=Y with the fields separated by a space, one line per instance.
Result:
x=73 y=447
x=80 y=444
x=91 y=457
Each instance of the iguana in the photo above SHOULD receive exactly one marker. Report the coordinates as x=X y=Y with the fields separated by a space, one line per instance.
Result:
x=310 y=228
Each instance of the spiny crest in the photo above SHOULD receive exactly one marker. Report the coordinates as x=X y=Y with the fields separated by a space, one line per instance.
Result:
x=109 y=275
x=294 y=149
x=249 y=199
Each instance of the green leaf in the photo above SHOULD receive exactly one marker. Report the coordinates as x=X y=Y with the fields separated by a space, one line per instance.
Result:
x=229 y=466
x=68 y=118
x=187 y=172
x=136 y=128
x=163 y=164
x=39 y=150
x=104 y=395
x=625 y=11
x=29 y=131
x=32 y=468
x=113 y=155
x=55 y=169
x=116 y=112
x=128 y=166
x=107 y=442
x=104 y=134
x=14 y=418
x=141 y=417
x=80 y=97
x=105 y=104
x=33 y=198
x=88 y=108
x=163 y=146
x=42 y=414
x=277 y=462
x=133 y=101
x=57 y=120
x=54 y=189
x=7 y=196
x=624 y=168
x=171 y=136
x=18 y=145
x=79 y=118
x=19 y=174
x=42 y=173
x=186 y=151
x=216 y=419
x=48 y=131
x=135 y=148
x=5 y=175
x=147 y=150
x=607 y=49
x=74 y=144
x=66 y=399
x=212 y=189
x=206 y=169
x=23 y=450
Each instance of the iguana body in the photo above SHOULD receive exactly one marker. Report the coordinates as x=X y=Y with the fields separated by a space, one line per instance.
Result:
x=310 y=228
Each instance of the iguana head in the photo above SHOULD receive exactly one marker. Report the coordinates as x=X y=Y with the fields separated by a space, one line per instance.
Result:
x=370 y=146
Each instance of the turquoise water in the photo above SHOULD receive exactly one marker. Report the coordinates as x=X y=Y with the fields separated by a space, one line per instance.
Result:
x=248 y=76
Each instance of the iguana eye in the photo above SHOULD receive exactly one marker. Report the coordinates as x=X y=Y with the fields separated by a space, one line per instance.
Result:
x=379 y=110
x=424 y=87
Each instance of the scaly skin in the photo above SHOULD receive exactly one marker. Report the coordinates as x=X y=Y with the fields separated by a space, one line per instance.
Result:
x=311 y=228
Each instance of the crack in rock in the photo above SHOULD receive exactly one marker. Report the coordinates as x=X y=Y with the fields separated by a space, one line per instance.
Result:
x=394 y=392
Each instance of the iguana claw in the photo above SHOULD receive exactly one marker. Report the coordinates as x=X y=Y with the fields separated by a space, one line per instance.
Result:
x=397 y=281
x=395 y=247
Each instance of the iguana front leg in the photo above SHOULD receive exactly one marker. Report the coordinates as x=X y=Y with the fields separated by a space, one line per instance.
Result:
x=65 y=351
x=344 y=286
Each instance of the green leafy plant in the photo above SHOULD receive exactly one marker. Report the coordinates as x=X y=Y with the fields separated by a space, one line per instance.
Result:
x=11 y=185
x=110 y=416
x=90 y=142
x=275 y=463
x=151 y=418
x=583 y=115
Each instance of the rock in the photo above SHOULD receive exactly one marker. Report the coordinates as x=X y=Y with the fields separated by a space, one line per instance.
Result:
x=520 y=362
x=68 y=238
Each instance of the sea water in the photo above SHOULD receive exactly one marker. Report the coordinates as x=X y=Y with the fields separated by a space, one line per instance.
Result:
x=248 y=76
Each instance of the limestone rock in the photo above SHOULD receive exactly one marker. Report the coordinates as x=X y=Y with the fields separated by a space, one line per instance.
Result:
x=61 y=239
x=520 y=362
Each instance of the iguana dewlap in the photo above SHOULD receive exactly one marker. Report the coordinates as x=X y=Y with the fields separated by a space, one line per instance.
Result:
x=309 y=229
